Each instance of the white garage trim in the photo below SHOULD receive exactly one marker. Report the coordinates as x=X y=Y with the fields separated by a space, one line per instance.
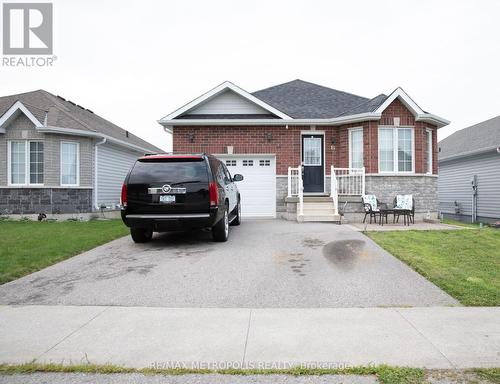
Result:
x=258 y=188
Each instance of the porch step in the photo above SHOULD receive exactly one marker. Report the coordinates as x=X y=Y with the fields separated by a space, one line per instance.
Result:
x=318 y=199
x=318 y=218
x=318 y=210
x=318 y=206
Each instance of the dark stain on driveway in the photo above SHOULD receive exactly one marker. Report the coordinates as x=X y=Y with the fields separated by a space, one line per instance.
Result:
x=343 y=254
x=312 y=243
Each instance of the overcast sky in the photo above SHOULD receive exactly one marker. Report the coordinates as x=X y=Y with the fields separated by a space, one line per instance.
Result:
x=133 y=62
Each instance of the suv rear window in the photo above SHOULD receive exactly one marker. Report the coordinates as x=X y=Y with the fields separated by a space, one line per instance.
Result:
x=173 y=171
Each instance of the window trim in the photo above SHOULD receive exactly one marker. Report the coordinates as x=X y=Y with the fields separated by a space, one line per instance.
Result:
x=351 y=130
x=395 y=170
x=429 y=165
x=77 y=164
x=27 y=169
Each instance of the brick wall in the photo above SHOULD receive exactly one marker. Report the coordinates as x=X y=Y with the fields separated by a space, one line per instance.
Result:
x=286 y=143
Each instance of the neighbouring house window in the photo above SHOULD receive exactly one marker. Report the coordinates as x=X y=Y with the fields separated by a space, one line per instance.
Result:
x=312 y=151
x=36 y=162
x=248 y=163
x=395 y=149
x=18 y=162
x=265 y=163
x=428 y=150
x=69 y=163
x=356 y=148
x=26 y=162
x=231 y=163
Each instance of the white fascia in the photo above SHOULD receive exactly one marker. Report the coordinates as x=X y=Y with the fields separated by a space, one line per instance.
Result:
x=97 y=135
x=227 y=85
x=13 y=111
x=334 y=121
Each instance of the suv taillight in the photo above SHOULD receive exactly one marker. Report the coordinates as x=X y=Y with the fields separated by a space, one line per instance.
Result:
x=123 y=198
x=214 y=194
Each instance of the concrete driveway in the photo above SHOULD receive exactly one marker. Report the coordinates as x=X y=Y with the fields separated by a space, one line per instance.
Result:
x=265 y=264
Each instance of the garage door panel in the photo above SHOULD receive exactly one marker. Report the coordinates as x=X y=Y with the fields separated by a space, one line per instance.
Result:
x=258 y=188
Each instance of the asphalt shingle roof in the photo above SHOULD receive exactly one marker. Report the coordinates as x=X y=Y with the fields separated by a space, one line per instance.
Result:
x=64 y=114
x=475 y=138
x=303 y=100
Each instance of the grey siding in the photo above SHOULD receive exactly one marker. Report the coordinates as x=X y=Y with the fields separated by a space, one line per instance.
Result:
x=455 y=185
x=113 y=164
x=23 y=129
x=228 y=103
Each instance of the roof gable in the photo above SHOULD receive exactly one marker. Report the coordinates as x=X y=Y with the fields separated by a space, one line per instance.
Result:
x=55 y=114
x=224 y=95
x=13 y=112
x=227 y=102
x=402 y=96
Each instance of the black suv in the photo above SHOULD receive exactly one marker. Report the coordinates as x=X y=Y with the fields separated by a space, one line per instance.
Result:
x=180 y=192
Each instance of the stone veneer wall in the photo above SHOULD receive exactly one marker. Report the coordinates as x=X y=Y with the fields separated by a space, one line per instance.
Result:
x=422 y=187
x=21 y=201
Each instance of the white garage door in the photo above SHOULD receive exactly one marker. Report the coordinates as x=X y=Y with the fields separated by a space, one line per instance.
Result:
x=258 y=188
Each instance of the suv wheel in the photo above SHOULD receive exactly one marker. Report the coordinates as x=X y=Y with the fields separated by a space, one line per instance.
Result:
x=237 y=218
x=220 y=231
x=141 y=235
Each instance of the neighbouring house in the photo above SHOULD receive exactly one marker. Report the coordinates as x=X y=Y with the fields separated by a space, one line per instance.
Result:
x=469 y=167
x=307 y=151
x=57 y=157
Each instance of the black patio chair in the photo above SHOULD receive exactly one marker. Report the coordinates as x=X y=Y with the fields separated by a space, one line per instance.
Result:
x=369 y=211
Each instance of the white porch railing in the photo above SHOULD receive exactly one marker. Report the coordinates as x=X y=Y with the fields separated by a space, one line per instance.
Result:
x=333 y=191
x=350 y=181
x=295 y=186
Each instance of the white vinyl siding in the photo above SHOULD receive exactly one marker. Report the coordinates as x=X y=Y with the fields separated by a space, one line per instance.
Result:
x=356 y=148
x=227 y=103
x=396 y=147
x=113 y=164
x=69 y=163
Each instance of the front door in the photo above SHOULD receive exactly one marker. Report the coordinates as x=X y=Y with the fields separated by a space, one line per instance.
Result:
x=313 y=163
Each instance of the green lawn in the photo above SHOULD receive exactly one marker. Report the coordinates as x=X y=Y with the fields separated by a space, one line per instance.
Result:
x=28 y=246
x=464 y=263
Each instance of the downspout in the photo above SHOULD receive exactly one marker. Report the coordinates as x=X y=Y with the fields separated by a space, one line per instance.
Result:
x=96 y=204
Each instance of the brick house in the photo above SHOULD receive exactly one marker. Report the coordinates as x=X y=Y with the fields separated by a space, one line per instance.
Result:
x=288 y=140
x=59 y=158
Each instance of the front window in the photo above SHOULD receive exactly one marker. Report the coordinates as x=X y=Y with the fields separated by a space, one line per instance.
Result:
x=428 y=150
x=36 y=162
x=26 y=162
x=356 y=148
x=69 y=163
x=395 y=149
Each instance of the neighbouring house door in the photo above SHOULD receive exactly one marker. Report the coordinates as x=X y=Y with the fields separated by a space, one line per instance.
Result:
x=313 y=163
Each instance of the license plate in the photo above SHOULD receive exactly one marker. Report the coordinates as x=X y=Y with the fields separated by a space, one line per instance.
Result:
x=168 y=199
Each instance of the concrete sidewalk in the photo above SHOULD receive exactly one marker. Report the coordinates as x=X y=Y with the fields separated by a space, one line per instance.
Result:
x=432 y=337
